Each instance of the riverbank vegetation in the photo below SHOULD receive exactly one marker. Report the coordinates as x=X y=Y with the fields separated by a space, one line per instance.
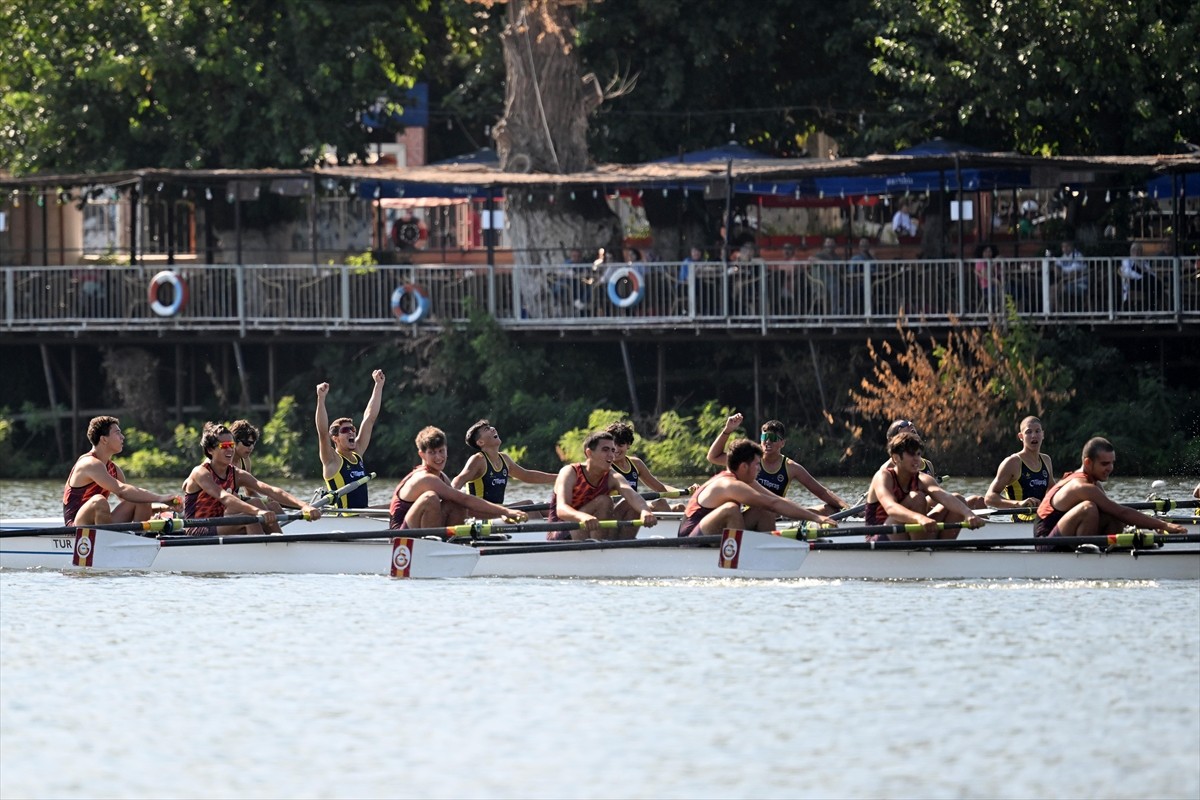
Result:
x=966 y=391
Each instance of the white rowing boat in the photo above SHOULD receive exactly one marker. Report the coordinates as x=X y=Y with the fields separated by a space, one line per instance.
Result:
x=762 y=556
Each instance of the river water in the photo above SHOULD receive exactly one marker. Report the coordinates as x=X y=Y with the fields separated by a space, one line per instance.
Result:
x=147 y=686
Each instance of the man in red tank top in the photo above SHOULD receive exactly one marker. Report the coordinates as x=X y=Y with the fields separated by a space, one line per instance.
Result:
x=1078 y=505
x=94 y=477
x=211 y=489
x=425 y=497
x=582 y=493
x=901 y=493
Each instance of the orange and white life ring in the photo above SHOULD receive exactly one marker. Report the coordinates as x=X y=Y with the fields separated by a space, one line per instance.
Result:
x=179 y=293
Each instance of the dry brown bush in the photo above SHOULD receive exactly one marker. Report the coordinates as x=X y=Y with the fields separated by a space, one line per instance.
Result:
x=965 y=393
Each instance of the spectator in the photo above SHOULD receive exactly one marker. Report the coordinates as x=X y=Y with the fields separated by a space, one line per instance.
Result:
x=988 y=277
x=1137 y=275
x=902 y=222
x=1071 y=286
x=852 y=285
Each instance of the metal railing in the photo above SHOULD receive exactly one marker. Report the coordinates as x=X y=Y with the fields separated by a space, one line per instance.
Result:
x=762 y=295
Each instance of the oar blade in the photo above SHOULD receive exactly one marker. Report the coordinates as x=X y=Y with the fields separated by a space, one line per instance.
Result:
x=429 y=558
x=753 y=551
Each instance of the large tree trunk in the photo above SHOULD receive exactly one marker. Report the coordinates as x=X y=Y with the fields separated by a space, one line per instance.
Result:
x=547 y=107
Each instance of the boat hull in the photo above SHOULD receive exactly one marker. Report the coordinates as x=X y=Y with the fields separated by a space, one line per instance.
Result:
x=1175 y=562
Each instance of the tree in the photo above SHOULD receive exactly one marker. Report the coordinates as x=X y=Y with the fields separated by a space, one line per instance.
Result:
x=957 y=390
x=1042 y=76
x=548 y=103
x=107 y=85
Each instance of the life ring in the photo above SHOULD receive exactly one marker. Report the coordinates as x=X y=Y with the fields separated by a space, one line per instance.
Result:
x=635 y=287
x=420 y=303
x=179 y=293
x=410 y=234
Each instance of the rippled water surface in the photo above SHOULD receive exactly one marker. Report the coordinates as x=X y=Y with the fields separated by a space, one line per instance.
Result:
x=327 y=686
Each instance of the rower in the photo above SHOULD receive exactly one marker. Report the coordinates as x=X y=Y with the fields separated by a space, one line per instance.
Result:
x=95 y=476
x=776 y=471
x=719 y=503
x=973 y=501
x=582 y=493
x=1078 y=505
x=902 y=493
x=245 y=437
x=343 y=447
x=210 y=490
x=1023 y=478
x=635 y=472
x=487 y=471
x=425 y=498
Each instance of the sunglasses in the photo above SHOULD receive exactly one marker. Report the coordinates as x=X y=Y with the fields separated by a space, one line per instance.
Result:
x=771 y=437
x=225 y=445
x=346 y=429
x=248 y=442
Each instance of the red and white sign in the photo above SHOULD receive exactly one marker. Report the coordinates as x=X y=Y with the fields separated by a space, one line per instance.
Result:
x=731 y=548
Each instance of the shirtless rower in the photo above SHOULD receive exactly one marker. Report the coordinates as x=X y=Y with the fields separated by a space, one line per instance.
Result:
x=635 y=472
x=776 y=471
x=901 y=493
x=583 y=493
x=210 y=490
x=719 y=503
x=1078 y=506
x=343 y=447
x=1023 y=478
x=424 y=498
x=94 y=477
x=487 y=471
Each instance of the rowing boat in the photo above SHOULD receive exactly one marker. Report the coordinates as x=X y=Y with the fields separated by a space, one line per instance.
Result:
x=649 y=556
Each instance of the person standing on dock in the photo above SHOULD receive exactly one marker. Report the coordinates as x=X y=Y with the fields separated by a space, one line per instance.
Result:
x=94 y=477
x=343 y=447
x=1023 y=478
x=734 y=498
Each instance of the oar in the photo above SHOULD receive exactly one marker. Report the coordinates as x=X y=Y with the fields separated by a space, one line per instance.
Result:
x=848 y=512
x=863 y=530
x=1162 y=505
x=644 y=495
x=158 y=525
x=1119 y=540
x=330 y=496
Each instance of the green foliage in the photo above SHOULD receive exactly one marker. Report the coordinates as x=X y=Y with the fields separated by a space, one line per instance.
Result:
x=1153 y=426
x=109 y=85
x=680 y=443
x=681 y=448
x=286 y=449
x=1043 y=76
x=153 y=463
